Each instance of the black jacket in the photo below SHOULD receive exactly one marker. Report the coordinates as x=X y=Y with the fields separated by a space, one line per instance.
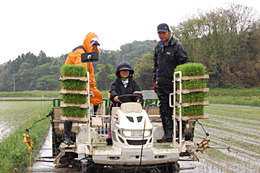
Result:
x=166 y=58
x=117 y=88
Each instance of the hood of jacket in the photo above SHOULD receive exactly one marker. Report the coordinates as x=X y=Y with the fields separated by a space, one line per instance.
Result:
x=86 y=43
x=124 y=66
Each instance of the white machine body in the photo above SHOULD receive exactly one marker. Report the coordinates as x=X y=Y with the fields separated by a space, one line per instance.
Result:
x=131 y=127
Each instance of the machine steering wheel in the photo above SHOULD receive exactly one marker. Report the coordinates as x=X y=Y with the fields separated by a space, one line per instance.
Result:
x=130 y=95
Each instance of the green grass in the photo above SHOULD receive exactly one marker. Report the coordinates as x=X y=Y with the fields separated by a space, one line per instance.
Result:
x=35 y=93
x=235 y=92
x=14 y=153
x=250 y=97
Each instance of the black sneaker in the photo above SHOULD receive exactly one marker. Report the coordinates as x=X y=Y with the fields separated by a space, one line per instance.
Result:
x=68 y=141
x=164 y=139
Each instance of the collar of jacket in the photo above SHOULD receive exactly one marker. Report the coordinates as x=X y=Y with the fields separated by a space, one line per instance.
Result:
x=171 y=41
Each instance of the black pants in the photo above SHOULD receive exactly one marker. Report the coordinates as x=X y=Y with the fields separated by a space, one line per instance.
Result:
x=165 y=110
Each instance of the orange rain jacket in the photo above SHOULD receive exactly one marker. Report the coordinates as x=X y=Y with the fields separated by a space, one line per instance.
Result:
x=75 y=58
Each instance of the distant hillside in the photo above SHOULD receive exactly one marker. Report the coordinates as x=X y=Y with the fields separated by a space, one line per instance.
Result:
x=31 y=72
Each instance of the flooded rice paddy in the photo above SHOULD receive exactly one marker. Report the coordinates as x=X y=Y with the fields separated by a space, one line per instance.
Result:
x=13 y=113
x=237 y=127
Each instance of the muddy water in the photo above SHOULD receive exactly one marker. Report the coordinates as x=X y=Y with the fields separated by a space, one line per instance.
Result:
x=40 y=165
x=45 y=152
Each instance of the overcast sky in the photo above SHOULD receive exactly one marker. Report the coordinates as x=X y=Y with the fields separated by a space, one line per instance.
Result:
x=58 y=26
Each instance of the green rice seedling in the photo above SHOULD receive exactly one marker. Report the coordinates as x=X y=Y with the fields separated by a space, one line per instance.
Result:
x=191 y=69
x=193 y=84
x=73 y=85
x=75 y=98
x=192 y=97
x=73 y=70
x=74 y=111
x=191 y=110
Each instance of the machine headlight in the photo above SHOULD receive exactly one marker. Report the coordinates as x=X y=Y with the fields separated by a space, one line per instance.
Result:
x=127 y=133
x=136 y=133
x=147 y=133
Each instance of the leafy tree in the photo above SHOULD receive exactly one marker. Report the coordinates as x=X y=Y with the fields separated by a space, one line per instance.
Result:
x=226 y=41
x=222 y=40
x=105 y=76
x=30 y=72
x=47 y=82
x=144 y=72
x=131 y=51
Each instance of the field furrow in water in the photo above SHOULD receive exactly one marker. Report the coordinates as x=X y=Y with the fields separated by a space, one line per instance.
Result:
x=242 y=125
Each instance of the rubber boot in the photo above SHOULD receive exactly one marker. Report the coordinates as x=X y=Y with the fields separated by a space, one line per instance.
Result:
x=183 y=130
x=164 y=130
x=67 y=131
x=167 y=124
x=109 y=139
x=95 y=109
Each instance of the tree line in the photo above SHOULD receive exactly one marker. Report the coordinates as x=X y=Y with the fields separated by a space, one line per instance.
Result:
x=31 y=72
x=226 y=41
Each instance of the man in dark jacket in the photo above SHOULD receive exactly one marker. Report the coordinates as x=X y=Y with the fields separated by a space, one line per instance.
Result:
x=169 y=53
x=124 y=84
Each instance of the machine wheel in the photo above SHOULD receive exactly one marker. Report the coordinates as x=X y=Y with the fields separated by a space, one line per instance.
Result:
x=68 y=159
x=174 y=167
x=87 y=166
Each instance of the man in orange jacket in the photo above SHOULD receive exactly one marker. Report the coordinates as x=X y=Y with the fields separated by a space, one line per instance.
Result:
x=90 y=44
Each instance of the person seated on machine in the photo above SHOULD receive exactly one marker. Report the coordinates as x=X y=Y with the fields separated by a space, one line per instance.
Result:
x=124 y=84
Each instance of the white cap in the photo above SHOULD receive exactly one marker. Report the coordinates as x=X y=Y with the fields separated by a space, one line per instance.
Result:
x=93 y=40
